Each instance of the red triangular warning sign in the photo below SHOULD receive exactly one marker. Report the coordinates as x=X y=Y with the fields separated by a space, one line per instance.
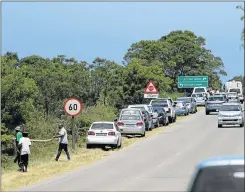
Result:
x=151 y=88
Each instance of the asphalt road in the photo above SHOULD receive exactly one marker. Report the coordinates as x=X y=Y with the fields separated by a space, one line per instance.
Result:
x=163 y=162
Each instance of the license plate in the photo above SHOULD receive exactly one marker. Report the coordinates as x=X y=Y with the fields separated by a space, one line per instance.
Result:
x=130 y=125
x=101 y=134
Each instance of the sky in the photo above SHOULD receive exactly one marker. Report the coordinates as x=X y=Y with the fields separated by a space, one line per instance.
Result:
x=86 y=30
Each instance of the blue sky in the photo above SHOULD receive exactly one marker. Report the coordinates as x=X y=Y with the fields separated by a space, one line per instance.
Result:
x=88 y=30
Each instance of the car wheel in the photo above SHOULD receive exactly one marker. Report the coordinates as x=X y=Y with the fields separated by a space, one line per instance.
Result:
x=167 y=121
x=219 y=125
x=119 y=144
x=170 y=119
x=143 y=135
x=207 y=112
x=242 y=125
x=88 y=146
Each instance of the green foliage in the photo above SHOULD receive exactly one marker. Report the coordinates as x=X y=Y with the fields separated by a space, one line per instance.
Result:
x=242 y=19
x=34 y=88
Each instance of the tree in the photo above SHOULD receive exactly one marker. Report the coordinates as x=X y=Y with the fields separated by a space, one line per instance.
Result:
x=242 y=19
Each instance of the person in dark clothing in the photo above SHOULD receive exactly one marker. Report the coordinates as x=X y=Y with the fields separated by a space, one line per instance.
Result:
x=25 y=144
x=17 y=139
x=63 y=142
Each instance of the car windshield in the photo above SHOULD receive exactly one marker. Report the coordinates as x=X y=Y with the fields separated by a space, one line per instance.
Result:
x=162 y=104
x=159 y=101
x=102 y=126
x=235 y=90
x=130 y=112
x=130 y=117
x=198 y=90
x=197 y=95
x=230 y=108
x=158 y=108
x=187 y=100
x=215 y=98
x=219 y=179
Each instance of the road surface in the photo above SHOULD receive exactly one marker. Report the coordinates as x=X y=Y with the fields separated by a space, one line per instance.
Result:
x=163 y=162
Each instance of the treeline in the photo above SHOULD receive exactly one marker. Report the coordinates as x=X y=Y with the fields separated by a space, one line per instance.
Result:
x=34 y=88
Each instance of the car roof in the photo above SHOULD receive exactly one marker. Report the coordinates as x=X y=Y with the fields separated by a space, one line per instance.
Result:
x=130 y=109
x=184 y=97
x=138 y=105
x=221 y=161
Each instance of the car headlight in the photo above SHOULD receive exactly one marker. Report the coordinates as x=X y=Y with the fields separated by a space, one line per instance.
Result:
x=239 y=117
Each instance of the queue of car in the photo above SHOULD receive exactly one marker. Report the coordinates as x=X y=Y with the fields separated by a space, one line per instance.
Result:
x=228 y=106
x=135 y=120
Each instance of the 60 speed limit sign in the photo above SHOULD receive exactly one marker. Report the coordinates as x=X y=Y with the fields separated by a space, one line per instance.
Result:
x=73 y=107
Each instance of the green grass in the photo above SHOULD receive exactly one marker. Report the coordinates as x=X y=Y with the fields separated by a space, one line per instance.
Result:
x=43 y=166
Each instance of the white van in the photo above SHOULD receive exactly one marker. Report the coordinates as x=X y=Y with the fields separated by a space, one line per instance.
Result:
x=199 y=90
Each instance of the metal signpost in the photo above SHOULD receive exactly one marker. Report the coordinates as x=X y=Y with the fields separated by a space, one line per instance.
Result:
x=151 y=91
x=192 y=81
x=73 y=107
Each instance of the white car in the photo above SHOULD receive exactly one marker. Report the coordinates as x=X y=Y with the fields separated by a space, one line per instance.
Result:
x=104 y=133
x=230 y=114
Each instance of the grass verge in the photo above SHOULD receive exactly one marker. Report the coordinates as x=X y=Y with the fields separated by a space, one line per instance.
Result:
x=49 y=168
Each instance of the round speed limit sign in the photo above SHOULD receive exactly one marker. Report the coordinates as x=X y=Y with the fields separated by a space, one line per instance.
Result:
x=73 y=107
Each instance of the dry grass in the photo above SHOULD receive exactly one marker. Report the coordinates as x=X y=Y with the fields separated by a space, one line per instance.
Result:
x=41 y=171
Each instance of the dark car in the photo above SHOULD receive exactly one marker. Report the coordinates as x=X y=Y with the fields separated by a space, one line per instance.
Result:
x=162 y=115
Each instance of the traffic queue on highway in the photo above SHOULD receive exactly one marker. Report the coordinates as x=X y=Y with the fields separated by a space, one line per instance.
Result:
x=136 y=120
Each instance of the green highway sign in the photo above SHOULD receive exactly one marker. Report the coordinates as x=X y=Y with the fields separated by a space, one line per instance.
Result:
x=192 y=81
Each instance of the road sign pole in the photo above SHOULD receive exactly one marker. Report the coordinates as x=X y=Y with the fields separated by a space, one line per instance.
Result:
x=73 y=133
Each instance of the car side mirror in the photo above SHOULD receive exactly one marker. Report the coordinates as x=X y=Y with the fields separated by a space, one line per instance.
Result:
x=174 y=105
x=115 y=120
x=151 y=115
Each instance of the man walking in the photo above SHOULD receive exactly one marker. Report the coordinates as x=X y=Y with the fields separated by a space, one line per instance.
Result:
x=25 y=144
x=63 y=142
x=17 y=139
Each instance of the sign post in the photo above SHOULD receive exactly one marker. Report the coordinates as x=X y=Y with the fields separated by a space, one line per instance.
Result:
x=73 y=107
x=151 y=91
x=192 y=81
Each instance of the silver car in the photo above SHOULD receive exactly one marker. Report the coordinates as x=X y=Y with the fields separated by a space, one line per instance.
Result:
x=200 y=99
x=231 y=114
x=131 y=124
x=104 y=133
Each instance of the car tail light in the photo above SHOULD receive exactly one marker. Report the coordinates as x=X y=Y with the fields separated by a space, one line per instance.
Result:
x=111 y=133
x=91 y=133
x=120 y=123
x=139 y=124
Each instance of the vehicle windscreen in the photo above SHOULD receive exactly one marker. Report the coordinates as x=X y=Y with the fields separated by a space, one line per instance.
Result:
x=198 y=90
x=102 y=126
x=158 y=101
x=159 y=109
x=220 y=179
x=130 y=117
x=235 y=90
x=187 y=100
x=130 y=112
x=161 y=104
x=230 y=108
x=216 y=99
x=197 y=95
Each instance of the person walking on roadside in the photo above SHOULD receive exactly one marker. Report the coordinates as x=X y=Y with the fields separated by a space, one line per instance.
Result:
x=25 y=144
x=63 y=142
x=17 y=139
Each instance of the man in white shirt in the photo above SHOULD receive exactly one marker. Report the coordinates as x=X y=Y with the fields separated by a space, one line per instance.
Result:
x=63 y=142
x=24 y=144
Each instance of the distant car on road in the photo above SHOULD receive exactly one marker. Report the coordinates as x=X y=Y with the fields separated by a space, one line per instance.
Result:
x=190 y=102
x=231 y=114
x=181 y=108
x=219 y=174
x=131 y=124
x=200 y=98
x=214 y=103
x=232 y=95
x=162 y=115
x=168 y=105
x=104 y=133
